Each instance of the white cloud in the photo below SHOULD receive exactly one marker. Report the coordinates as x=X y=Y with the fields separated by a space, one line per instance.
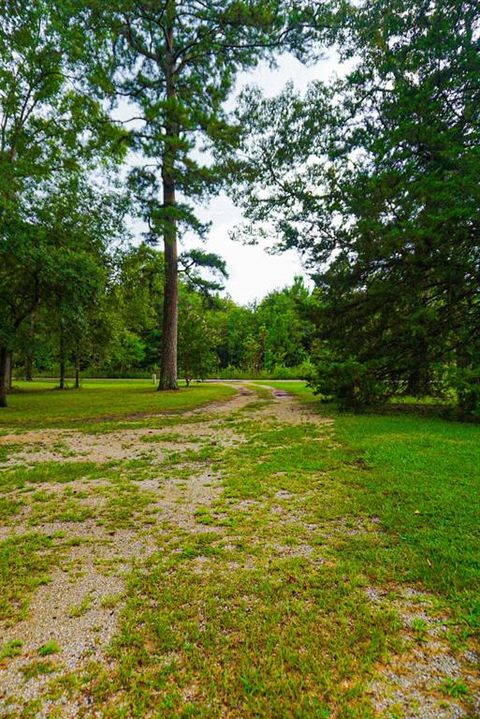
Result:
x=253 y=272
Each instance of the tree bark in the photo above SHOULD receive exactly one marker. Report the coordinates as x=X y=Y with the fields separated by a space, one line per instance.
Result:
x=8 y=370
x=29 y=368
x=168 y=360
x=62 y=360
x=3 y=377
x=77 y=372
x=419 y=381
x=168 y=372
x=29 y=355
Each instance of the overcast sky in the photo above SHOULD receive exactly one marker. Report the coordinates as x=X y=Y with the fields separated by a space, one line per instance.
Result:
x=252 y=272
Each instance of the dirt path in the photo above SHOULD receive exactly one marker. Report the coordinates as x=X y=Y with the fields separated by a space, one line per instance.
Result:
x=77 y=610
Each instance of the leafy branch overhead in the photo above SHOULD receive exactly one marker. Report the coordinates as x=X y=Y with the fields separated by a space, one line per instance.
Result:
x=374 y=177
x=194 y=260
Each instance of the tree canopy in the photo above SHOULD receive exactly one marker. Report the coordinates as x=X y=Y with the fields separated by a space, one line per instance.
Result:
x=375 y=178
x=118 y=110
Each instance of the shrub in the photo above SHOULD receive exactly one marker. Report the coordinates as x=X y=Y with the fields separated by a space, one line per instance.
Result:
x=347 y=381
x=466 y=382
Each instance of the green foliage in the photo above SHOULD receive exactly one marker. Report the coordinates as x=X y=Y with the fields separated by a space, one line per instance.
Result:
x=352 y=383
x=196 y=338
x=178 y=65
x=303 y=371
x=269 y=337
x=53 y=135
x=375 y=179
x=195 y=260
x=285 y=330
x=466 y=381
x=454 y=688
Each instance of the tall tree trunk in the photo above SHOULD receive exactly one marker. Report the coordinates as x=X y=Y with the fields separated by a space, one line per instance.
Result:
x=3 y=377
x=29 y=367
x=168 y=372
x=168 y=363
x=62 y=359
x=419 y=378
x=62 y=374
x=29 y=355
x=415 y=382
x=77 y=371
x=9 y=370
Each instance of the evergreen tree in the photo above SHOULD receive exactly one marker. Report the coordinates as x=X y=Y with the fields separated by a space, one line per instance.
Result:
x=376 y=180
x=177 y=62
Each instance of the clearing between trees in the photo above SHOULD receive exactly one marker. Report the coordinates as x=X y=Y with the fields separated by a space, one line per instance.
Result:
x=235 y=551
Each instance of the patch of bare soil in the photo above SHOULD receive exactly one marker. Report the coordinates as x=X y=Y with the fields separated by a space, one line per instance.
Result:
x=179 y=502
x=286 y=409
x=65 y=446
x=58 y=445
x=68 y=611
x=79 y=607
x=243 y=397
x=429 y=680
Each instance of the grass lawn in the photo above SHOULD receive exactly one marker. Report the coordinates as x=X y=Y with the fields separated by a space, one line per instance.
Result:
x=265 y=558
x=40 y=404
x=421 y=476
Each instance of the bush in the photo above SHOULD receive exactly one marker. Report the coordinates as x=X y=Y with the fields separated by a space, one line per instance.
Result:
x=348 y=382
x=278 y=372
x=466 y=382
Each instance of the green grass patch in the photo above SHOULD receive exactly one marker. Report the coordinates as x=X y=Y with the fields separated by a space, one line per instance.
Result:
x=39 y=405
x=11 y=649
x=78 y=610
x=35 y=669
x=419 y=475
x=25 y=561
x=51 y=647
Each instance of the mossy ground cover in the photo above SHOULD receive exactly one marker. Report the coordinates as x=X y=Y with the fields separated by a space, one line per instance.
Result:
x=269 y=545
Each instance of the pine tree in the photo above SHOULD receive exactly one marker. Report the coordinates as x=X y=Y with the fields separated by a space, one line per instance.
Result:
x=177 y=62
x=376 y=179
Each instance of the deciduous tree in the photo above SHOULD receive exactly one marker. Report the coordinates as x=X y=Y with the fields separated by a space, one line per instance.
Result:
x=47 y=127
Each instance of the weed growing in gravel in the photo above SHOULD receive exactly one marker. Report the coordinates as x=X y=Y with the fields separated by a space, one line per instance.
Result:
x=11 y=649
x=51 y=647
x=271 y=588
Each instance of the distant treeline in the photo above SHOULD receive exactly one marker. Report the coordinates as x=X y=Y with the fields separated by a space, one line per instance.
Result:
x=373 y=176
x=119 y=335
